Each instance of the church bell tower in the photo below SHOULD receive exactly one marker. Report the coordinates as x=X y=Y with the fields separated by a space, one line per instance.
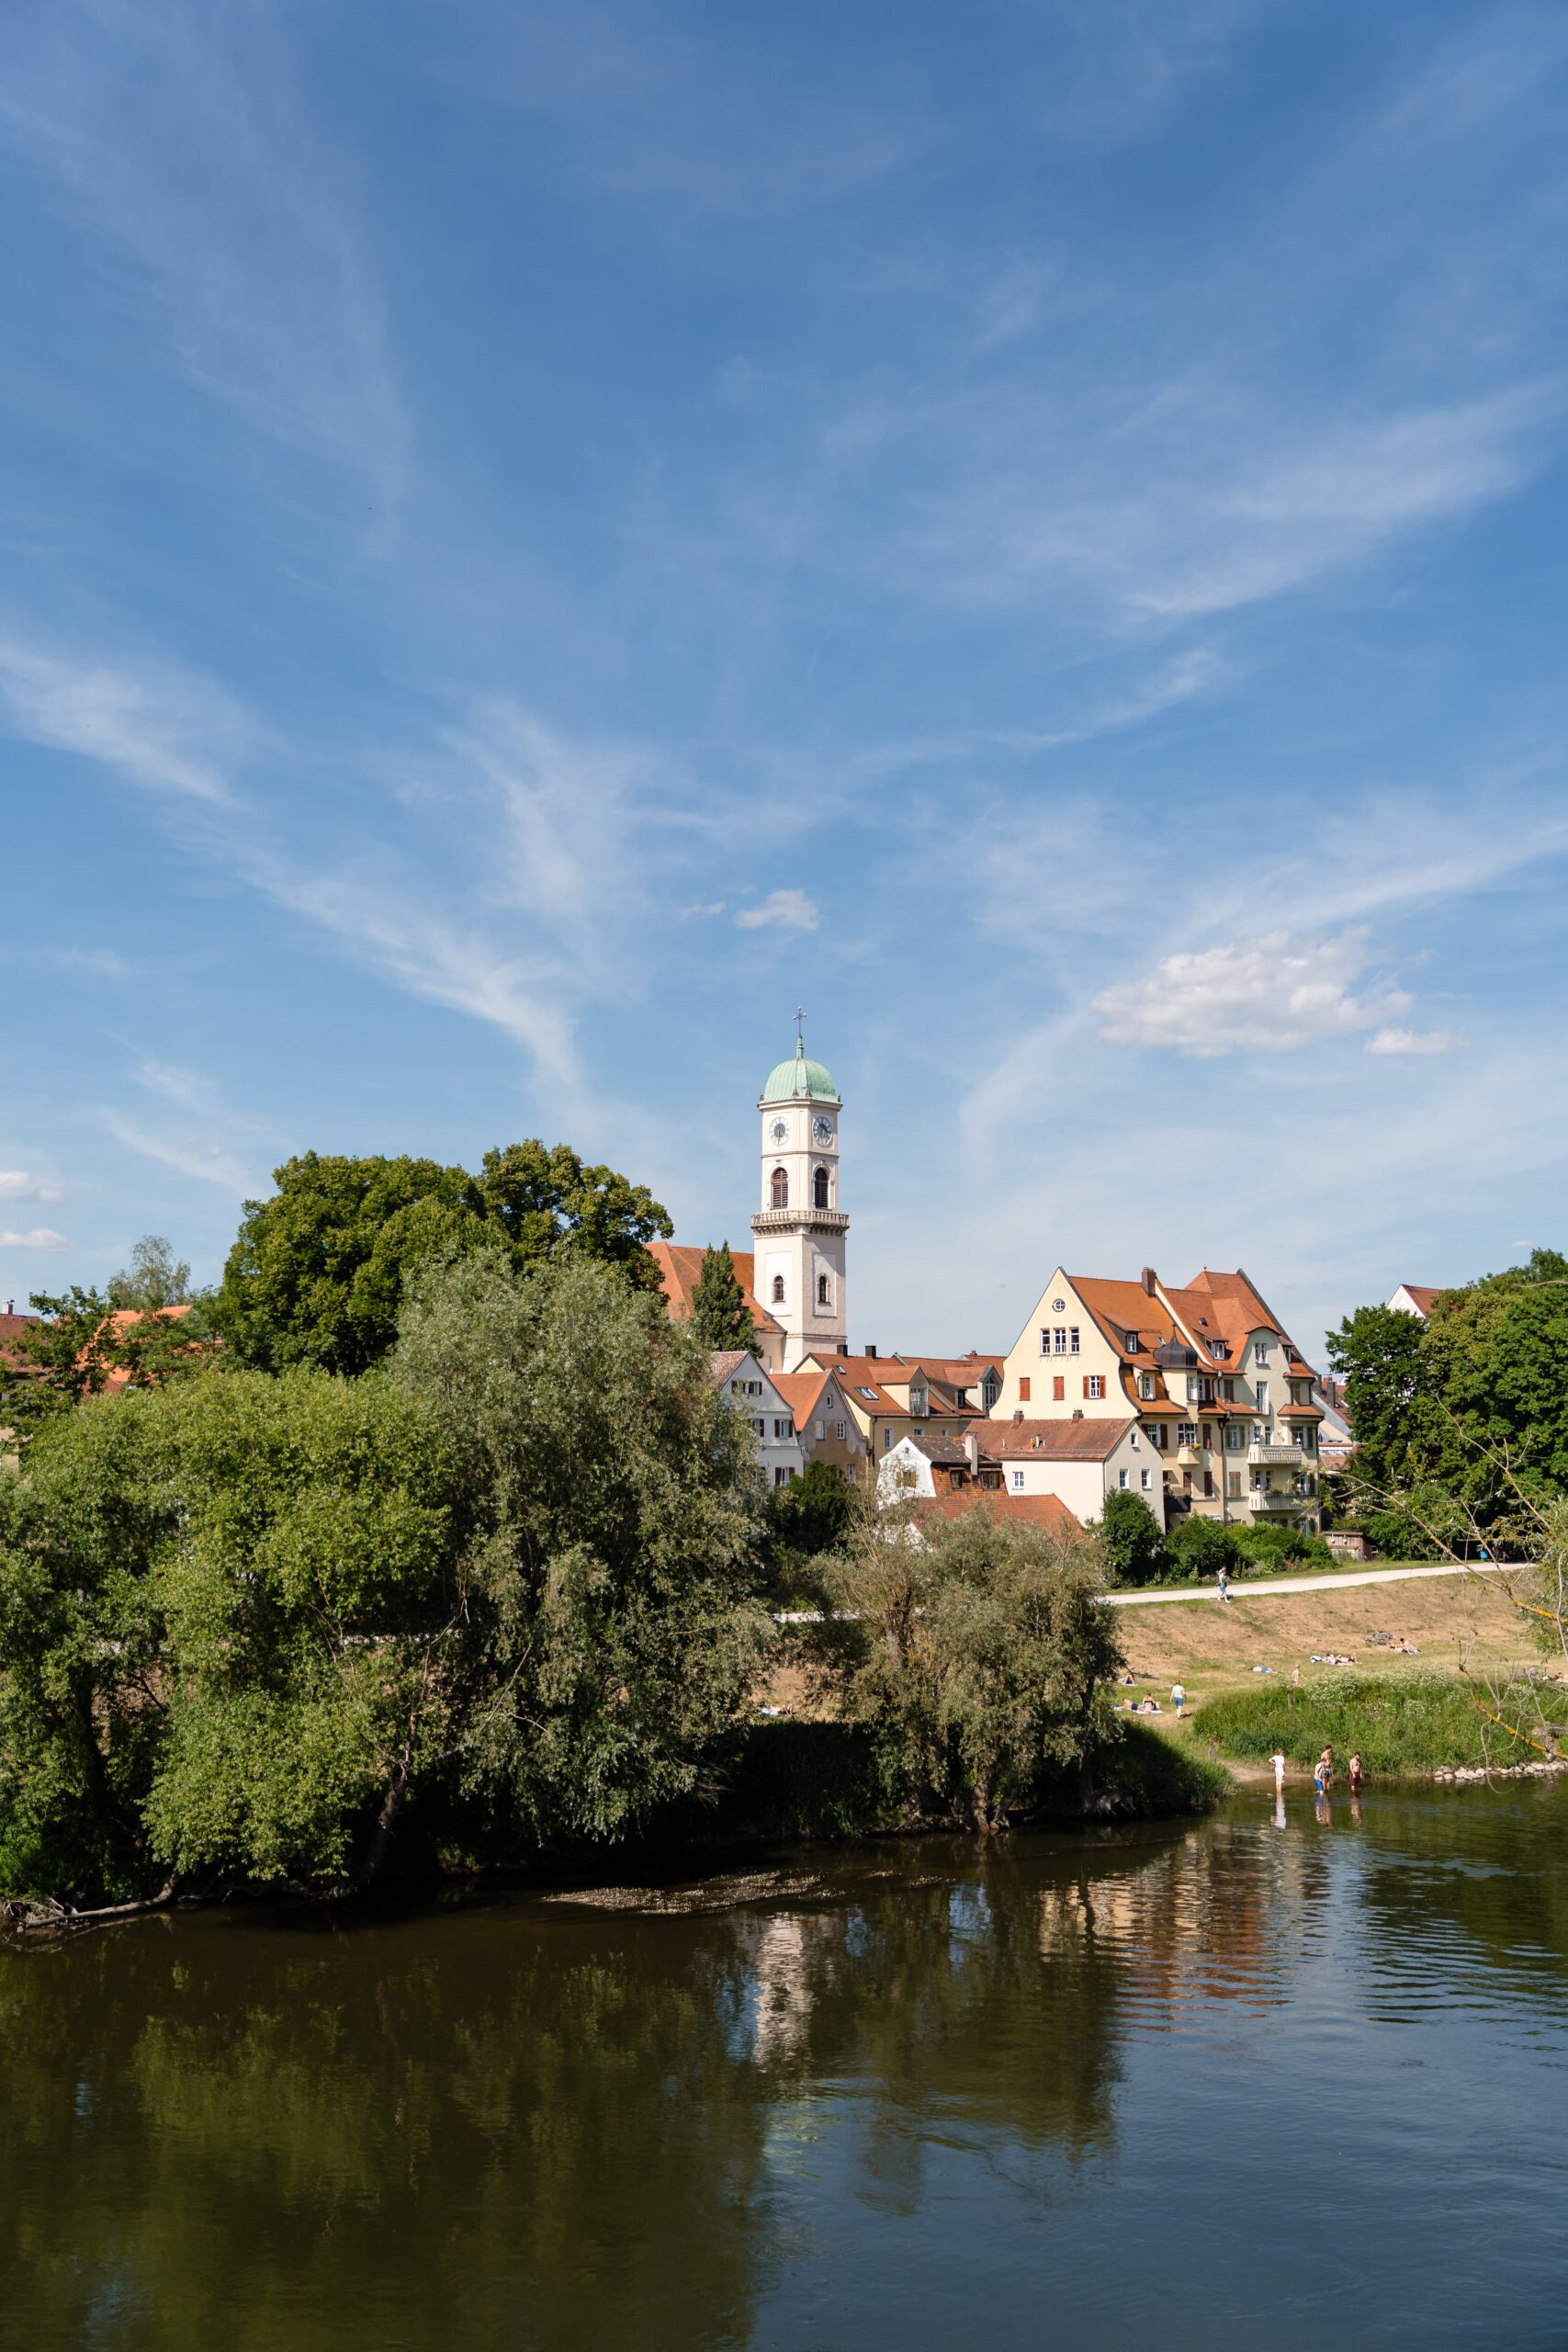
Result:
x=799 y=1227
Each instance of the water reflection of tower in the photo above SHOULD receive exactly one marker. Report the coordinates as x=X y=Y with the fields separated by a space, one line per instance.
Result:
x=781 y=1989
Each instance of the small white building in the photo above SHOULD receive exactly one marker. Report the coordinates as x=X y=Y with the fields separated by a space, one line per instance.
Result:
x=742 y=1383
x=1414 y=1298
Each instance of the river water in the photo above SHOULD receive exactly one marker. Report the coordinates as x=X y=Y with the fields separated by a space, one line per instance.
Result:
x=1241 y=2083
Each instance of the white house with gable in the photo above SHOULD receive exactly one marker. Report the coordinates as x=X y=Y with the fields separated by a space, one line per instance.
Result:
x=742 y=1383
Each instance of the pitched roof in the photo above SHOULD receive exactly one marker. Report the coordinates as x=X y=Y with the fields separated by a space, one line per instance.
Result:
x=947 y=1450
x=725 y=1361
x=1423 y=1293
x=1058 y=1440
x=802 y=1392
x=681 y=1262
x=1046 y=1511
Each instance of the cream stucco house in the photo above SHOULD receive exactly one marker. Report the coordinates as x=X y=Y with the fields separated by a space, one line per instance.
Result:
x=1221 y=1395
x=744 y=1385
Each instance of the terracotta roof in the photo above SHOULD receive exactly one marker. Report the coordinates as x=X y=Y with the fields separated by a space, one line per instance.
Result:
x=801 y=1392
x=120 y=1321
x=1046 y=1511
x=679 y=1265
x=1057 y=1441
x=1301 y=1413
x=937 y=1449
x=725 y=1360
x=1423 y=1293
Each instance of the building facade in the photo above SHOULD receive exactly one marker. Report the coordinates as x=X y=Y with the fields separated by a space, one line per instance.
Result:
x=747 y=1388
x=1221 y=1394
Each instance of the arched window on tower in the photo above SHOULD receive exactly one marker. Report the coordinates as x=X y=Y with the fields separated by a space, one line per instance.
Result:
x=819 y=1189
x=781 y=1188
x=821 y=1290
x=778 y=1290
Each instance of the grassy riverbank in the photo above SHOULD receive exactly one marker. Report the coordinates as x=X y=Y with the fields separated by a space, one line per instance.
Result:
x=1405 y=1722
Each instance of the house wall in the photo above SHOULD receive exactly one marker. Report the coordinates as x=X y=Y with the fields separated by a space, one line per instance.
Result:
x=749 y=1392
x=1030 y=1378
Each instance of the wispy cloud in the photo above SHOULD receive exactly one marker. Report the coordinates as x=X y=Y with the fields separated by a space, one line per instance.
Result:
x=40 y=1237
x=780 y=910
x=1415 y=1041
x=173 y=132
x=194 y=1133
x=21 y=1184
x=155 y=725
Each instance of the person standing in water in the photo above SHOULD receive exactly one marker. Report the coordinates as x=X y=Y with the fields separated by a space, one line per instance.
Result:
x=1356 y=1776
x=1323 y=1772
x=1278 y=1760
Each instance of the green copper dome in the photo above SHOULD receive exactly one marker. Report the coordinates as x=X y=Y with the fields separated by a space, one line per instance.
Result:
x=799 y=1081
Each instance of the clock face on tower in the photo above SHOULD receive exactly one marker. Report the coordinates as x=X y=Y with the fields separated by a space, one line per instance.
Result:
x=779 y=1129
x=822 y=1131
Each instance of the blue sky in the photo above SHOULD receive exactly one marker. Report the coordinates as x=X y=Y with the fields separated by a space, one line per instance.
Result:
x=537 y=535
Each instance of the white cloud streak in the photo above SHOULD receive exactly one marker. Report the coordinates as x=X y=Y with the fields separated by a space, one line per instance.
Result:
x=1415 y=1041
x=156 y=726
x=780 y=910
x=40 y=1237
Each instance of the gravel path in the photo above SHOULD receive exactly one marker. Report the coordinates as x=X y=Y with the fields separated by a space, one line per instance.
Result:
x=1243 y=1591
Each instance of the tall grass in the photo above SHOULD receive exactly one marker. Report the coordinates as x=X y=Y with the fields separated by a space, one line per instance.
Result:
x=1408 y=1722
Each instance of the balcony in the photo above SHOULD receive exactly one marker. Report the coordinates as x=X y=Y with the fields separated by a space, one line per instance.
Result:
x=1275 y=1499
x=800 y=1220
x=1274 y=1457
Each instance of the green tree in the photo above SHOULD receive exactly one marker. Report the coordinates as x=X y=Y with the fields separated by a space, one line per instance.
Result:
x=610 y=1605
x=1131 y=1540
x=81 y=1689
x=1201 y=1547
x=549 y=1205
x=720 y=1316
x=980 y=1654
x=1380 y=1354
x=318 y=1272
x=81 y=1345
x=155 y=1277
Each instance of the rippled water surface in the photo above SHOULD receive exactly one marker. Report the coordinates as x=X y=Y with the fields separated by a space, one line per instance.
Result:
x=1262 y=2084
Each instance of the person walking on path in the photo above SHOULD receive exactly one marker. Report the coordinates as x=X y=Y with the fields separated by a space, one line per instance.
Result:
x=1178 y=1698
x=1356 y=1776
x=1223 y=1582
x=1323 y=1772
x=1278 y=1760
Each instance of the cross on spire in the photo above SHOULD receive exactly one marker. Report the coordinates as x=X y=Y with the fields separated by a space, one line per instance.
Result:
x=800 y=1026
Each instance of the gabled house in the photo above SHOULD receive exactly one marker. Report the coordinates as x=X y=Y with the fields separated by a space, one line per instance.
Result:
x=920 y=1464
x=1415 y=1298
x=889 y=1396
x=743 y=1381
x=1219 y=1391
x=828 y=1429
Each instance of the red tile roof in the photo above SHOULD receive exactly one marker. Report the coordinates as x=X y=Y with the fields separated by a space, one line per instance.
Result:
x=1057 y=1441
x=679 y=1265
x=1046 y=1511
x=1422 y=1293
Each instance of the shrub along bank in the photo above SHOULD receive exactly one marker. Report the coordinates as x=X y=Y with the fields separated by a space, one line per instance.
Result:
x=1408 y=1722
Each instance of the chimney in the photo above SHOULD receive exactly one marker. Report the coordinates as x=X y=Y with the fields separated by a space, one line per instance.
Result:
x=1078 y=1412
x=971 y=1448
x=1016 y=1416
x=871 y=1351
x=1147 y=1279
x=843 y=1346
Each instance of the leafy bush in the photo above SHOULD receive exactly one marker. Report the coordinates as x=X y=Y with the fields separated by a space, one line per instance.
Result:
x=1131 y=1539
x=1281 y=1547
x=1399 y=1537
x=1200 y=1548
x=1407 y=1723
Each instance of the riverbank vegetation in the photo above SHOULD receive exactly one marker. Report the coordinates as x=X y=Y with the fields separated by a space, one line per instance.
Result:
x=1142 y=1553
x=1415 y=1722
x=504 y=1592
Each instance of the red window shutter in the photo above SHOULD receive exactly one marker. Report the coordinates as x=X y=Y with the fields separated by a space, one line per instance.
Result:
x=1059 y=1390
x=1023 y=1391
x=1086 y=1384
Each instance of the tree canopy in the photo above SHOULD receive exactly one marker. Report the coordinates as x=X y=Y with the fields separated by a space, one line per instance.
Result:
x=155 y=1277
x=317 y=1273
x=1131 y=1539
x=1471 y=1403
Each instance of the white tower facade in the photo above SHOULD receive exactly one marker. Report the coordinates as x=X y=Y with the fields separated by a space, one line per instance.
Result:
x=799 y=1227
